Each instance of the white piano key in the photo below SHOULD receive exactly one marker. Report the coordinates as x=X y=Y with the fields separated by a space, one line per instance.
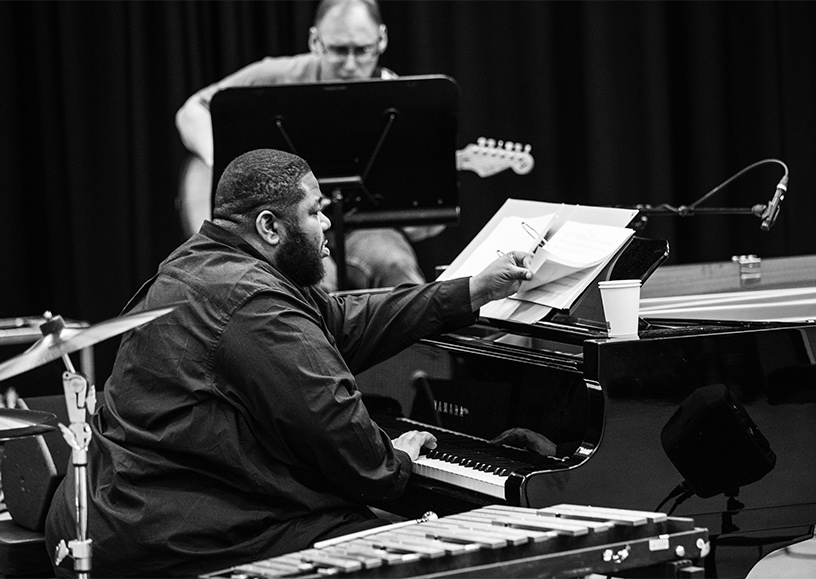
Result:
x=469 y=478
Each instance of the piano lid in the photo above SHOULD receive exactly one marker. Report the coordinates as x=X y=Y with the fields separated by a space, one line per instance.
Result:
x=768 y=289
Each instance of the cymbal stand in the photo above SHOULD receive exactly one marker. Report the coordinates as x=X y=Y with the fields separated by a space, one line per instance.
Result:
x=80 y=398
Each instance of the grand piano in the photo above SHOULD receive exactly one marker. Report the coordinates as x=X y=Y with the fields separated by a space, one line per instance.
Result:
x=604 y=402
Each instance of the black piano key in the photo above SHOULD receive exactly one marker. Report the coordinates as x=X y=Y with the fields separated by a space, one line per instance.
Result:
x=470 y=452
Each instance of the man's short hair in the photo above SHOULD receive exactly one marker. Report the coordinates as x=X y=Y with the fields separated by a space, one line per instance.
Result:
x=371 y=5
x=258 y=180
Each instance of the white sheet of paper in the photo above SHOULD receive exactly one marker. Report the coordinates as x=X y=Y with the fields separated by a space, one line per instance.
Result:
x=560 y=293
x=574 y=247
x=506 y=232
x=511 y=234
x=514 y=310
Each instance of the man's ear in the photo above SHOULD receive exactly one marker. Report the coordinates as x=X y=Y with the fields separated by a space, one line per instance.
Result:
x=314 y=42
x=268 y=227
x=383 y=43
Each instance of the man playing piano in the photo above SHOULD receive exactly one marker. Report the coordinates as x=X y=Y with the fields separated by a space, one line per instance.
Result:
x=232 y=429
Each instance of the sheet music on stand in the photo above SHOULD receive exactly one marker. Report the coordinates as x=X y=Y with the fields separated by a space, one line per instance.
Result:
x=571 y=246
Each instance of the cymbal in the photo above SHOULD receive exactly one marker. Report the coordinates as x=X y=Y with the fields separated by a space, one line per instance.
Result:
x=59 y=341
x=17 y=423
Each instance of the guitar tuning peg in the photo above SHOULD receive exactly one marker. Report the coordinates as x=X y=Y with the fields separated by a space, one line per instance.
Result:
x=499 y=144
x=491 y=143
x=481 y=141
x=527 y=148
x=509 y=145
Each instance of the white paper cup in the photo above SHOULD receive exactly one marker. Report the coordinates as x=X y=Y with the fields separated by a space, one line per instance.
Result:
x=621 y=304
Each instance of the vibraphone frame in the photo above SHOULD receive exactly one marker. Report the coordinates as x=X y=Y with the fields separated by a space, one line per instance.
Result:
x=615 y=541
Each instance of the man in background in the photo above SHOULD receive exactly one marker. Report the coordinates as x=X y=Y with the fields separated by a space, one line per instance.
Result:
x=345 y=43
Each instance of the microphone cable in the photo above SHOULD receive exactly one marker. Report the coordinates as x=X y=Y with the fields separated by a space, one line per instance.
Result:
x=680 y=489
x=684 y=496
x=735 y=176
x=759 y=210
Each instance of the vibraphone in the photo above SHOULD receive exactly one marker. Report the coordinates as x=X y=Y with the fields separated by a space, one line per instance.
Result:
x=503 y=541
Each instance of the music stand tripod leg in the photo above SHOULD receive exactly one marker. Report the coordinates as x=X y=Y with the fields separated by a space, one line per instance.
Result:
x=80 y=399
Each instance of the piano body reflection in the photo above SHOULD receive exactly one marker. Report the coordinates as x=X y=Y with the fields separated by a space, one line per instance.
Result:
x=603 y=402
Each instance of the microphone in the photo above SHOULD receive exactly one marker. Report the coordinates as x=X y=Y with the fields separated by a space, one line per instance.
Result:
x=767 y=212
x=772 y=210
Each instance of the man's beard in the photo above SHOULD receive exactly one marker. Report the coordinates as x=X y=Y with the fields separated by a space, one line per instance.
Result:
x=299 y=259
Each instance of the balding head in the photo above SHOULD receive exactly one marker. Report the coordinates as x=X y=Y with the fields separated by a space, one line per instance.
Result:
x=349 y=37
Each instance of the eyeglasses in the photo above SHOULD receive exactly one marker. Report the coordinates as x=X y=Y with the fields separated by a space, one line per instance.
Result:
x=340 y=52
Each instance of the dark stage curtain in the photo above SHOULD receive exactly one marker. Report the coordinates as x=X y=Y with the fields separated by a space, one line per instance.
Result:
x=622 y=102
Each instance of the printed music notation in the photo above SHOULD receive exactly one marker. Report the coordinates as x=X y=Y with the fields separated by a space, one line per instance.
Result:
x=570 y=246
x=512 y=233
x=566 y=260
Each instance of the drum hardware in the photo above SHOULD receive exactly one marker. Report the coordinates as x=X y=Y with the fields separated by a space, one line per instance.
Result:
x=80 y=397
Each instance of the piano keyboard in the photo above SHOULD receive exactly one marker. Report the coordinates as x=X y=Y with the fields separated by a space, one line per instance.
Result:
x=499 y=541
x=485 y=482
x=470 y=462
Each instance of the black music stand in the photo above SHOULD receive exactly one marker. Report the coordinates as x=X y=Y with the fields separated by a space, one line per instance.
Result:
x=386 y=150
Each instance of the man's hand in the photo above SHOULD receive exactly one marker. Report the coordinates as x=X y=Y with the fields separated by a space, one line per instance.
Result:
x=500 y=279
x=527 y=439
x=412 y=442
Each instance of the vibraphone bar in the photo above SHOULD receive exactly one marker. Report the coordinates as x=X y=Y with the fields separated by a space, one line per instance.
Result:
x=503 y=541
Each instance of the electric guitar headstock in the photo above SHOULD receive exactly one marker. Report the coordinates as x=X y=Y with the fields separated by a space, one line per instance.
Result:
x=488 y=157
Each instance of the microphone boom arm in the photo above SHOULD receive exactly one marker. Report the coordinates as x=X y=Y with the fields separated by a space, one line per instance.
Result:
x=767 y=212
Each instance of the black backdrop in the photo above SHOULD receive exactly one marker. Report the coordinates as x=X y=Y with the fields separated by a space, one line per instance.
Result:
x=622 y=102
